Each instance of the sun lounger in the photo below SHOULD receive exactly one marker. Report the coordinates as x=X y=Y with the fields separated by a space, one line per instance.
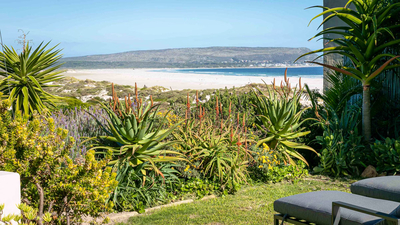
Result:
x=379 y=187
x=380 y=205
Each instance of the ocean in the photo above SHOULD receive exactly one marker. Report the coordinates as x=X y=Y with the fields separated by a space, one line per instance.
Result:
x=304 y=72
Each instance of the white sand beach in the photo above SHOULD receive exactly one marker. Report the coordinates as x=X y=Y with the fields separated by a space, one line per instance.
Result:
x=178 y=81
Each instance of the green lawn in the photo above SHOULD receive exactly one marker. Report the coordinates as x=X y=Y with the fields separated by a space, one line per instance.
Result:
x=251 y=205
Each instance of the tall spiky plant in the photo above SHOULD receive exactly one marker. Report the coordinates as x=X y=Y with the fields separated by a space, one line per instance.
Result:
x=364 y=40
x=132 y=136
x=26 y=74
x=279 y=112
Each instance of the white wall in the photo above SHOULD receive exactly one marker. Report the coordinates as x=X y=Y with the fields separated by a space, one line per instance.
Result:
x=10 y=192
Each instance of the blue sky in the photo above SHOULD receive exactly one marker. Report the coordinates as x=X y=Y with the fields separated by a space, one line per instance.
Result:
x=85 y=27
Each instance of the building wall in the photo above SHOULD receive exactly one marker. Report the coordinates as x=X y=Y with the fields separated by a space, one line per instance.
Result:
x=333 y=58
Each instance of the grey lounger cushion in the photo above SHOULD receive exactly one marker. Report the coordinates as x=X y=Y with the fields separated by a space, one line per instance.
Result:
x=379 y=187
x=316 y=207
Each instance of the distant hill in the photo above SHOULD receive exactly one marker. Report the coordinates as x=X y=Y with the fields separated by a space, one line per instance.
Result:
x=193 y=58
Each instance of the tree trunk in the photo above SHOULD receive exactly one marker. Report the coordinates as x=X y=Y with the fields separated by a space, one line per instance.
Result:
x=366 y=112
x=41 y=203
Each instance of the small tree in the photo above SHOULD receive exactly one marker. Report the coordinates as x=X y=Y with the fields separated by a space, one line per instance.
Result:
x=26 y=74
x=364 y=41
x=50 y=180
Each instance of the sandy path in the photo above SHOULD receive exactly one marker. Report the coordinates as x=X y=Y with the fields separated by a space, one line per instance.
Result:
x=178 y=81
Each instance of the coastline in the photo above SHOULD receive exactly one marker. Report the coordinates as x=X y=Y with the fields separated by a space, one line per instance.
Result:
x=179 y=81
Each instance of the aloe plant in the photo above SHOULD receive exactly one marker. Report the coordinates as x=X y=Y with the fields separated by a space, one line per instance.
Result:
x=133 y=137
x=26 y=74
x=219 y=147
x=364 y=40
x=279 y=112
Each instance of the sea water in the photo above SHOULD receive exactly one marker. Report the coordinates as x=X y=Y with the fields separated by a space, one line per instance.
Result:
x=304 y=72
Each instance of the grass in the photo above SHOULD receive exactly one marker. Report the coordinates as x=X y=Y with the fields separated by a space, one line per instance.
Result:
x=251 y=205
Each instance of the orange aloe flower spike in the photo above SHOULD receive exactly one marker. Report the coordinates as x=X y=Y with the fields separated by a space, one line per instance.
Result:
x=286 y=80
x=217 y=106
x=136 y=94
x=112 y=90
x=274 y=84
x=126 y=104
x=129 y=101
x=197 y=97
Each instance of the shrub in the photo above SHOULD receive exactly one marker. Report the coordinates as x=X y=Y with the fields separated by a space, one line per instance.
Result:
x=342 y=146
x=199 y=187
x=138 y=191
x=286 y=172
x=385 y=155
x=266 y=158
x=50 y=179
x=269 y=166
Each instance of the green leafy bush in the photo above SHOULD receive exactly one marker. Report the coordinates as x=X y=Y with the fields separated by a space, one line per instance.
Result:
x=385 y=155
x=342 y=151
x=269 y=166
x=199 y=187
x=138 y=191
x=50 y=179
x=288 y=172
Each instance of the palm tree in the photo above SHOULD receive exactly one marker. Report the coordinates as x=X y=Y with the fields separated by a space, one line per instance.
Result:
x=26 y=74
x=364 y=40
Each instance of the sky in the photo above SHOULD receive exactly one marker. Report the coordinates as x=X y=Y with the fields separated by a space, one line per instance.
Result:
x=87 y=27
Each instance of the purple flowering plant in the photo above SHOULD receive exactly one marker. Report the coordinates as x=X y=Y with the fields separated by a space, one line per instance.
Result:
x=80 y=125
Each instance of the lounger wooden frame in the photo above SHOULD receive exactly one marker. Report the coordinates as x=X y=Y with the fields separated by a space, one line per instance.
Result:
x=336 y=208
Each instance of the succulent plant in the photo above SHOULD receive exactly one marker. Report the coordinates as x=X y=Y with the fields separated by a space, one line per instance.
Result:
x=132 y=136
x=279 y=112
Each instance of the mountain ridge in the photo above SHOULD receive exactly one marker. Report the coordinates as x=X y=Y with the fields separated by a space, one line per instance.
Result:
x=193 y=57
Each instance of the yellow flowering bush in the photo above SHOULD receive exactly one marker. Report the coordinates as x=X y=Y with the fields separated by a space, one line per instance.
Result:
x=50 y=180
x=270 y=166
x=171 y=118
x=266 y=158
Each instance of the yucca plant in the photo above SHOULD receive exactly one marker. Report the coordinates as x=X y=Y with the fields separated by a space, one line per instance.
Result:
x=218 y=147
x=26 y=74
x=364 y=40
x=134 y=139
x=279 y=111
